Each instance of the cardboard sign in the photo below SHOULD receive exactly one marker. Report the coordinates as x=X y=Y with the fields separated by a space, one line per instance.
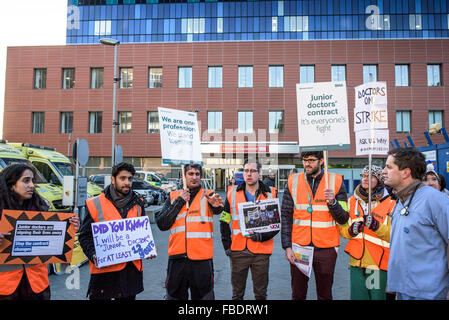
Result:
x=36 y=237
x=375 y=142
x=180 y=138
x=375 y=117
x=322 y=116
x=260 y=216
x=123 y=240
x=371 y=94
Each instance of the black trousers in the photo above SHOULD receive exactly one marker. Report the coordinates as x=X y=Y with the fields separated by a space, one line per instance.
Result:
x=184 y=274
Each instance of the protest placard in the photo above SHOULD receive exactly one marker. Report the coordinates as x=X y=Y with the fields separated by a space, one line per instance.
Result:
x=371 y=94
x=376 y=142
x=322 y=116
x=36 y=237
x=180 y=139
x=370 y=118
x=123 y=240
x=303 y=258
x=259 y=216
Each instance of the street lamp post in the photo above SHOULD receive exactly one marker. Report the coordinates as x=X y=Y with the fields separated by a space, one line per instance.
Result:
x=115 y=43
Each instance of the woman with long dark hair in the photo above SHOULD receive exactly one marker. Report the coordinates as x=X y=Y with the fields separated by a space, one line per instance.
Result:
x=23 y=281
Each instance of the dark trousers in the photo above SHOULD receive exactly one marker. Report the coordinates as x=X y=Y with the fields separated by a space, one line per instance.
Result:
x=184 y=274
x=241 y=262
x=323 y=267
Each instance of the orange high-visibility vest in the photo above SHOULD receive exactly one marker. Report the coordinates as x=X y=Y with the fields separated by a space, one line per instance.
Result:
x=378 y=249
x=192 y=232
x=239 y=242
x=316 y=227
x=101 y=209
x=11 y=274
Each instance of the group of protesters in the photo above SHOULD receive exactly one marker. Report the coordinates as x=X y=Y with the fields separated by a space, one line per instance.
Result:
x=397 y=226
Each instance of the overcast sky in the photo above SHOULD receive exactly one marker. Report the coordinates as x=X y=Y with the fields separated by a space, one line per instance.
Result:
x=29 y=23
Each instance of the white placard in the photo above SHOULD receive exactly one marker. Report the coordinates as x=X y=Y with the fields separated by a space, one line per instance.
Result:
x=323 y=115
x=259 y=216
x=180 y=138
x=367 y=118
x=39 y=238
x=375 y=142
x=371 y=94
x=303 y=258
x=123 y=240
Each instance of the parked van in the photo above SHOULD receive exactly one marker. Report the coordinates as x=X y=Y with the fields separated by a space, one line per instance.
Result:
x=52 y=165
x=51 y=193
x=153 y=178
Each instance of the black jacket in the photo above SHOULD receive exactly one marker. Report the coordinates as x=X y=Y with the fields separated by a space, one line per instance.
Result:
x=337 y=212
x=225 y=229
x=124 y=283
x=167 y=216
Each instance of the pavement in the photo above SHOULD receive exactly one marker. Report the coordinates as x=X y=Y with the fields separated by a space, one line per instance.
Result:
x=73 y=284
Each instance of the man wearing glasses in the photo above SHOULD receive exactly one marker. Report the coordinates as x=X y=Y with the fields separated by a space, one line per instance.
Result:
x=418 y=263
x=310 y=213
x=247 y=252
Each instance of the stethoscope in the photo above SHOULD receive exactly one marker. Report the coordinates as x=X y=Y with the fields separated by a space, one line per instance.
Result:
x=405 y=211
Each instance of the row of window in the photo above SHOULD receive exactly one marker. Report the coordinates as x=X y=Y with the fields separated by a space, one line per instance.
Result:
x=245 y=76
x=214 y=121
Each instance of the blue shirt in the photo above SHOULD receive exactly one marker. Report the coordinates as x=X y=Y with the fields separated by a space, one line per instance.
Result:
x=249 y=197
x=418 y=264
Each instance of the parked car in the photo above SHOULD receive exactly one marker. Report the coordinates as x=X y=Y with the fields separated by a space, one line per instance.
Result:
x=155 y=179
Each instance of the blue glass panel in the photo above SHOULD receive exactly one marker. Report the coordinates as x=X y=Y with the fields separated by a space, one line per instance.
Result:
x=262 y=8
x=238 y=27
x=196 y=10
x=91 y=15
x=244 y=24
x=231 y=25
x=166 y=26
x=232 y=12
x=160 y=26
x=220 y=9
x=143 y=26
x=155 y=8
x=250 y=9
x=250 y=24
x=256 y=24
x=190 y=10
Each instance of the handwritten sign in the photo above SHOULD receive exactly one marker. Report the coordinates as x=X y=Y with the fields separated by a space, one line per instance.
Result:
x=375 y=117
x=123 y=240
x=180 y=139
x=374 y=142
x=371 y=94
x=322 y=115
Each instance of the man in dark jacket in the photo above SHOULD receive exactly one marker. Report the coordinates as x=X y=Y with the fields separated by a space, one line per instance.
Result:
x=255 y=250
x=126 y=283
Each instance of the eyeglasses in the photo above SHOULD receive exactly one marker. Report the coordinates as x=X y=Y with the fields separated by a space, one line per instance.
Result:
x=309 y=160
x=250 y=171
x=364 y=176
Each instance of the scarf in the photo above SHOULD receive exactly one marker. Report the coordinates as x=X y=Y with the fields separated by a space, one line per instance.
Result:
x=376 y=195
x=120 y=201
x=408 y=190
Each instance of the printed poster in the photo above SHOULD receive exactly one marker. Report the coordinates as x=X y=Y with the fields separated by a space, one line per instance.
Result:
x=303 y=258
x=260 y=216
x=123 y=240
x=36 y=237
x=322 y=116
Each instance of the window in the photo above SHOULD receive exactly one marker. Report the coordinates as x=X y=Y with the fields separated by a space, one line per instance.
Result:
x=102 y=28
x=434 y=75
x=185 y=77
x=126 y=78
x=40 y=78
x=219 y=25
x=215 y=77
x=66 y=122
x=153 y=122
x=68 y=78
x=369 y=73
x=274 y=24
x=436 y=117
x=338 y=73
x=46 y=171
x=401 y=75
x=155 y=77
x=276 y=76
x=95 y=121
x=124 y=118
x=415 y=22
x=296 y=23
x=403 y=121
x=245 y=122
x=246 y=77
x=37 y=122
x=307 y=74
x=276 y=122
x=214 y=121
x=96 y=78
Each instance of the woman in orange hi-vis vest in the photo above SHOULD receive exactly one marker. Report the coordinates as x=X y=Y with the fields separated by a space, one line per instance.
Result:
x=22 y=281
x=369 y=234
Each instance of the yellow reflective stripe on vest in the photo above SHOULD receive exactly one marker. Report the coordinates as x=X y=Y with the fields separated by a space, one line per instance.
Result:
x=295 y=188
x=315 y=207
x=182 y=215
x=203 y=204
x=200 y=219
x=97 y=204
x=197 y=235
x=372 y=239
x=178 y=229
x=314 y=224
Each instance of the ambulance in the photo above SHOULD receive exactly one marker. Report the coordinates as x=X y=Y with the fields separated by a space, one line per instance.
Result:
x=52 y=164
x=51 y=193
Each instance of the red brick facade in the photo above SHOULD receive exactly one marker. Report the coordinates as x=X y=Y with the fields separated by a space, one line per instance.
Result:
x=21 y=99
